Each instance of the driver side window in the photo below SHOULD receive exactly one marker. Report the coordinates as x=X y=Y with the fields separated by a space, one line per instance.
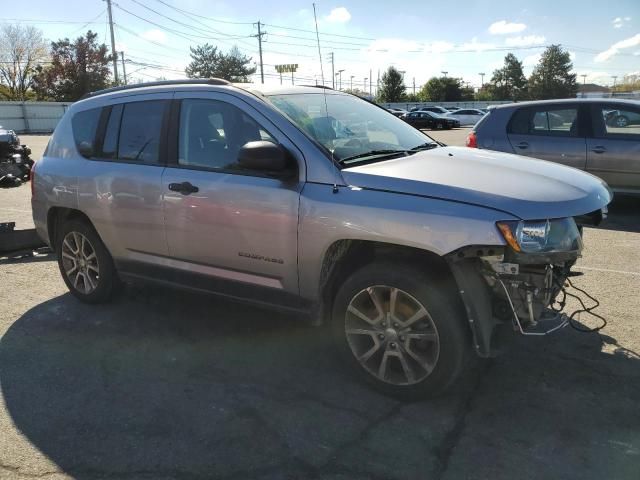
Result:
x=213 y=132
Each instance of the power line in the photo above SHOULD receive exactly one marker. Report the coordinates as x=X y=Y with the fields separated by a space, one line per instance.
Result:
x=184 y=35
x=93 y=20
x=216 y=32
x=320 y=33
x=186 y=12
x=62 y=22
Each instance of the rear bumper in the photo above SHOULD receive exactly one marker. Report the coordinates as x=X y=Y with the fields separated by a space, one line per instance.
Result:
x=39 y=212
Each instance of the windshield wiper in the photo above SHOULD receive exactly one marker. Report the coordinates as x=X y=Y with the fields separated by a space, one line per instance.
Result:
x=372 y=153
x=425 y=146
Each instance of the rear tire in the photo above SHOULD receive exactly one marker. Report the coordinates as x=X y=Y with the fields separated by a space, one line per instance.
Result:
x=402 y=317
x=621 y=121
x=85 y=263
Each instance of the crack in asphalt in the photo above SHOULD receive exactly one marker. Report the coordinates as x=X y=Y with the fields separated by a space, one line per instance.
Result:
x=444 y=451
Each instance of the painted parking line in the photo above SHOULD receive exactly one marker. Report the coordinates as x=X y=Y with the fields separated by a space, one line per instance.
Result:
x=609 y=270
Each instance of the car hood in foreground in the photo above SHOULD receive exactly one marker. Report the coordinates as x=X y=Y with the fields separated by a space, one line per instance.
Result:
x=525 y=187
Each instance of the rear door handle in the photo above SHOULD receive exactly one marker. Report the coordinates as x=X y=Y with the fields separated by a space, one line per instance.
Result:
x=598 y=149
x=185 y=188
x=522 y=145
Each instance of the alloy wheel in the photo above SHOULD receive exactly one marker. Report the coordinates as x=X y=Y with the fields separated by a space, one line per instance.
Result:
x=80 y=262
x=392 y=335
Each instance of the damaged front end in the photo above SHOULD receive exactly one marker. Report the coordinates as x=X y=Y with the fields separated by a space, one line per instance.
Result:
x=519 y=283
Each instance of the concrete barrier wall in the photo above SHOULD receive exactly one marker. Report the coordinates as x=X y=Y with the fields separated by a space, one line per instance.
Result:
x=32 y=117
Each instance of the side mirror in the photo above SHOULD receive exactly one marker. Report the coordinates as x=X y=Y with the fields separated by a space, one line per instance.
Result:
x=264 y=156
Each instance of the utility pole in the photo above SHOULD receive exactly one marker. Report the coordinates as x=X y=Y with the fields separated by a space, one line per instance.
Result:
x=614 y=81
x=351 y=85
x=481 y=79
x=414 y=85
x=370 y=80
x=378 y=83
x=260 y=34
x=444 y=73
x=333 y=74
x=584 y=78
x=340 y=79
x=124 y=70
x=113 y=44
x=365 y=84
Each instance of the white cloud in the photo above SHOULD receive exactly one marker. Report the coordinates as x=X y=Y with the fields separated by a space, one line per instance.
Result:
x=616 y=47
x=439 y=47
x=338 y=15
x=525 y=41
x=503 y=27
x=620 y=22
x=531 y=60
x=474 y=45
x=155 y=35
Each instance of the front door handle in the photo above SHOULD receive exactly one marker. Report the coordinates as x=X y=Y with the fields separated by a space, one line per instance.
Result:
x=522 y=145
x=598 y=149
x=185 y=188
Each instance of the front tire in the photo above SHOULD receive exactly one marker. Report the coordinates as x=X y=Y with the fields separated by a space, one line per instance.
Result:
x=85 y=263
x=401 y=330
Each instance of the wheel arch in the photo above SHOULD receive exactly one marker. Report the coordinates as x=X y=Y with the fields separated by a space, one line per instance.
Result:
x=57 y=215
x=343 y=257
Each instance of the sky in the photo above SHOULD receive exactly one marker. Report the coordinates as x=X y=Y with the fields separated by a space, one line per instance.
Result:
x=421 y=38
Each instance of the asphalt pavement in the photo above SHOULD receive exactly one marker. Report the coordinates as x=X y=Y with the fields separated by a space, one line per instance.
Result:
x=162 y=384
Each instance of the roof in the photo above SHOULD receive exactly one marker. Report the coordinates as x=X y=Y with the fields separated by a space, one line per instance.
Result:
x=204 y=82
x=532 y=103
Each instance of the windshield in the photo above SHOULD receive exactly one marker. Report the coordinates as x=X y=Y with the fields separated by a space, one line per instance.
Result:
x=352 y=127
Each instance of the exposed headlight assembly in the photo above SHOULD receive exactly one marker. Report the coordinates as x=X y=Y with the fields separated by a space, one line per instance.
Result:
x=542 y=236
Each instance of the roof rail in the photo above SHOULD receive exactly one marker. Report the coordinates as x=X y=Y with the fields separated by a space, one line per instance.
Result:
x=318 y=86
x=188 y=81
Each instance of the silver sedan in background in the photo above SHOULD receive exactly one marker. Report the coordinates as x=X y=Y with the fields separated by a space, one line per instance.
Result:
x=601 y=136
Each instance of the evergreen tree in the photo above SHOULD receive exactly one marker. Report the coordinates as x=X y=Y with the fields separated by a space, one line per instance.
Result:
x=392 y=87
x=551 y=78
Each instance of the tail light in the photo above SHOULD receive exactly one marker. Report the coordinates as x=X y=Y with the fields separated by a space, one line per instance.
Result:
x=472 y=140
x=32 y=175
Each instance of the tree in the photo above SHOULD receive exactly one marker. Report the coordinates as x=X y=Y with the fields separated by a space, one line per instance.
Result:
x=509 y=82
x=392 y=87
x=208 y=62
x=76 y=69
x=485 y=93
x=444 y=89
x=22 y=48
x=551 y=78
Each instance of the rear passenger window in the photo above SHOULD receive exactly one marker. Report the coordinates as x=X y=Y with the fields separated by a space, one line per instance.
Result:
x=140 y=126
x=556 y=122
x=84 y=126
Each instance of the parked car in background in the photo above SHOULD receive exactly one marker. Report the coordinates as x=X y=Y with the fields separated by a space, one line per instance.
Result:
x=435 y=109
x=430 y=120
x=452 y=109
x=398 y=112
x=405 y=247
x=467 y=116
x=601 y=136
x=621 y=119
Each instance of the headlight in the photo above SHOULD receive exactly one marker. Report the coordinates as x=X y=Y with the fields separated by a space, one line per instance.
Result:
x=542 y=236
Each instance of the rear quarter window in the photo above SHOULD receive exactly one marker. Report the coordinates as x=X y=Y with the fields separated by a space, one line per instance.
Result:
x=84 y=125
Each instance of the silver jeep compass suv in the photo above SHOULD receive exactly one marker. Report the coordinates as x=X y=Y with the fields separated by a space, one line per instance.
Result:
x=317 y=202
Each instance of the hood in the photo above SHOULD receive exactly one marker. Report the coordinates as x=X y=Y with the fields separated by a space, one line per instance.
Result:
x=525 y=187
